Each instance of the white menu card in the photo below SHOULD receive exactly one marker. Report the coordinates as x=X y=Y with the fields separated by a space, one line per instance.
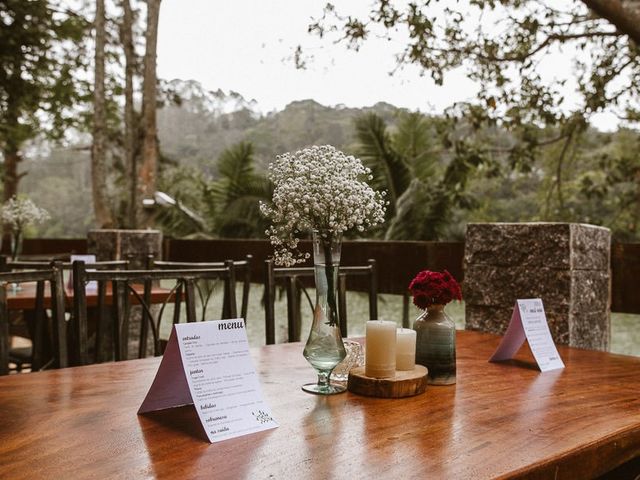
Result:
x=529 y=322
x=208 y=364
x=91 y=286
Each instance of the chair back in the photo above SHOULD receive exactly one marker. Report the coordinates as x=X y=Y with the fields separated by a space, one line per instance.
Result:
x=139 y=287
x=294 y=280
x=42 y=337
x=242 y=273
x=9 y=265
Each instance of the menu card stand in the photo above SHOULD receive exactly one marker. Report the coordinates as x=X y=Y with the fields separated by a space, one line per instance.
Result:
x=529 y=322
x=208 y=365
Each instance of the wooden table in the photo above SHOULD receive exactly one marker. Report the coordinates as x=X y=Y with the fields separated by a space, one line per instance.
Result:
x=499 y=420
x=25 y=297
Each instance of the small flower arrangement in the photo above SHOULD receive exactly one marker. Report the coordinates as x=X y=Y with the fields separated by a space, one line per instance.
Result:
x=434 y=288
x=318 y=188
x=18 y=213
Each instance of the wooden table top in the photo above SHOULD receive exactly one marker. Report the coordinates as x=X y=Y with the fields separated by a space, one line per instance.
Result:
x=499 y=421
x=25 y=297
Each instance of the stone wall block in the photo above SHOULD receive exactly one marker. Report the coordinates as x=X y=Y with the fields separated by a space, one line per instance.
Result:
x=590 y=247
x=518 y=244
x=114 y=244
x=590 y=292
x=566 y=265
x=133 y=245
x=590 y=330
x=488 y=319
x=488 y=285
x=496 y=320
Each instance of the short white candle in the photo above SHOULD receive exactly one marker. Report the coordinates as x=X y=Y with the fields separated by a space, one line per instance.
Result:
x=380 y=352
x=405 y=349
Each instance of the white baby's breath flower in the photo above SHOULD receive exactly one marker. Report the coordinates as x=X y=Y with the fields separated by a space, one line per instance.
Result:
x=318 y=188
x=18 y=213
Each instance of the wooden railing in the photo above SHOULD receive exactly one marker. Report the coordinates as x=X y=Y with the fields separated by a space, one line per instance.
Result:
x=625 y=277
x=397 y=262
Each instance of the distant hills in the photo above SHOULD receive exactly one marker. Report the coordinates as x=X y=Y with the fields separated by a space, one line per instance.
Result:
x=206 y=122
x=192 y=133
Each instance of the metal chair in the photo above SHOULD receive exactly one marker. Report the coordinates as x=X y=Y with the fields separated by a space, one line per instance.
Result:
x=130 y=287
x=242 y=271
x=296 y=279
x=20 y=356
x=44 y=339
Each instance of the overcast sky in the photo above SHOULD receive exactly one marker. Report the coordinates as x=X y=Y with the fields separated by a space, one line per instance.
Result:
x=246 y=46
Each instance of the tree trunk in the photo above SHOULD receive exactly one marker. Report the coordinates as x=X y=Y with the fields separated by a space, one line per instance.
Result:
x=10 y=182
x=129 y=114
x=624 y=17
x=149 y=167
x=11 y=160
x=104 y=216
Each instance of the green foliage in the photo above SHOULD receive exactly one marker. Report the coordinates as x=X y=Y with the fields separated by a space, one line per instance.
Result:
x=389 y=168
x=60 y=182
x=424 y=180
x=188 y=187
x=228 y=204
x=197 y=130
x=234 y=197
x=501 y=45
x=460 y=170
x=41 y=53
x=414 y=141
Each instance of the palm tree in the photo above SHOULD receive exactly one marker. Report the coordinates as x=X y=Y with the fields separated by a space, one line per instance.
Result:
x=408 y=163
x=235 y=196
x=225 y=207
x=390 y=170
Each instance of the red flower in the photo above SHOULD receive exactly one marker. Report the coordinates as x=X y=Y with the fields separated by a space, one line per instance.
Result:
x=434 y=288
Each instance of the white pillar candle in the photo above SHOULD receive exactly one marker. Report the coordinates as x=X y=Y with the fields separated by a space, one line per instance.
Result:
x=380 y=353
x=405 y=349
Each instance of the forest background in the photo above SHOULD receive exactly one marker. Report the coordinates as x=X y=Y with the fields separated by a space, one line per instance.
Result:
x=491 y=160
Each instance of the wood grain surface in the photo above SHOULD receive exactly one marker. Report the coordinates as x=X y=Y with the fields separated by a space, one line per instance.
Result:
x=503 y=420
x=24 y=299
x=404 y=384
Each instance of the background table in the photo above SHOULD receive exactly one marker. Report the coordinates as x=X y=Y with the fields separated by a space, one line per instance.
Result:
x=499 y=420
x=25 y=297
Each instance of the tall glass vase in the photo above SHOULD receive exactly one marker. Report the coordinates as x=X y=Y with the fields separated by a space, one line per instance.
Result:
x=16 y=245
x=16 y=250
x=324 y=348
x=436 y=345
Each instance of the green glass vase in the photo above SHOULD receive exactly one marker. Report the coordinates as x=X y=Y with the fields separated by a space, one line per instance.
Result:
x=324 y=348
x=436 y=345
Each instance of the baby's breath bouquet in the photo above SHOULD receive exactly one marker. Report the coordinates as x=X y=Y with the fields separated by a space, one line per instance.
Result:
x=18 y=213
x=318 y=189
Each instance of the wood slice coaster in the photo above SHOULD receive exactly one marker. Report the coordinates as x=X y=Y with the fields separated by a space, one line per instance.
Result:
x=405 y=384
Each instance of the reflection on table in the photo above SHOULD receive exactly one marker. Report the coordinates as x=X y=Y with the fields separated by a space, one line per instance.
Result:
x=500 y=420
x=23 y=298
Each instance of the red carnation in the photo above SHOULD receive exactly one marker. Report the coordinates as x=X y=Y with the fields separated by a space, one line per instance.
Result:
x=434 y=288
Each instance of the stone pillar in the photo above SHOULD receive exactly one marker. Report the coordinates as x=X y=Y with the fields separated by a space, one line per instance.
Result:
x=133 y=245
x=567 y=265
x=125 y=244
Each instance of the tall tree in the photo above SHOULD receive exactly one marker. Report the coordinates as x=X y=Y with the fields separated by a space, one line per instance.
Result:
x=130 y=127
x=149 y=167
x=103 y=212
x=502 y=44
x=41 y=51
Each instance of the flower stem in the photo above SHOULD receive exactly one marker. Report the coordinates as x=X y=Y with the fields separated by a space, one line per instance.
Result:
x=331 y=290
x=17 y=239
